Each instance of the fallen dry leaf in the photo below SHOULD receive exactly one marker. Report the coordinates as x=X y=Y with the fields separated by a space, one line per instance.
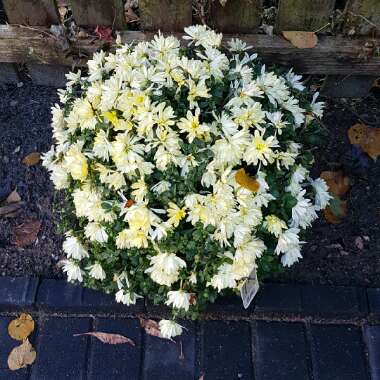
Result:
x=368 y=138
x=335 y=213
x=337 y=182
x=26 y=233
x=243 y=179
x=31 y=159
x=152 y=328
x=104 y=33
x=13 y=197
x=21 y=327
x=300 y=39
x=109 y=338
x=21 y=356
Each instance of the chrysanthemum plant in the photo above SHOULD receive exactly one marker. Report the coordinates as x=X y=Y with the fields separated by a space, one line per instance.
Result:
x=186 y=170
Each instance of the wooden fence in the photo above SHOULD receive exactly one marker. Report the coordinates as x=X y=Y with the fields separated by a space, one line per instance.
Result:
x=352 y=52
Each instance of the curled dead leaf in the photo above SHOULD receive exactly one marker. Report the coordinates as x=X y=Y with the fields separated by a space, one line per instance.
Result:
x=11 y=210
x=337 y=182
x=13 y=197
x=244 y=180
x=336 y=211
x=26 y=233
x=109 y=338
x=368 y=138
x=300 y=39
x=152 y=328
x=21 y=356
x=21 y=327
x=31 y=159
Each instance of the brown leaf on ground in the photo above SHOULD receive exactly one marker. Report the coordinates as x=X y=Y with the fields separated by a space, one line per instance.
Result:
x=21 y=327
x=333 y=216
x=300 y=39
x=21 y=356
x=31 y=159
x=368 y=138
x=244 y=180
x=152 y=328
x=26 y=233
x=109 y=338
x=13 y=197
x=104 y=33
x=337 y=182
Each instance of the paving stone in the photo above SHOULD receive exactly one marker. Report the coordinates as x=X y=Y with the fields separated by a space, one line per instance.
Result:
x=374 y=300
x=93 y=300
x=59 y=295
x=17 y=293
x=334 y=300
x=120 y=361
x=279 y=298
x=231 y=305
x=227 y=351
x=6 y=346
x=337 y=353
x=280 y=351
x=372 y=338
x=60 y=355
x=163 y=358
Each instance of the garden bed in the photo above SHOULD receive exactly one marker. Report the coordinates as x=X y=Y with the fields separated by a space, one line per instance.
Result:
x=343 y=254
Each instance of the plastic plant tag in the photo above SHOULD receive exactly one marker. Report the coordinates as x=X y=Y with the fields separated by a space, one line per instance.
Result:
x=249 y=289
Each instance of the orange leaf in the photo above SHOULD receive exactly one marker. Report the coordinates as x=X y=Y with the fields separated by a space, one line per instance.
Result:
x=244 y=180
x=301 y=40
x=367 y=138
x=333 y=218
x=109 y=338
x=31 y=159
x=337 y=182
x=26 y=233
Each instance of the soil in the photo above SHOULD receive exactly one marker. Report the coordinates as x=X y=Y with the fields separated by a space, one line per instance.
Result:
x=333 y=255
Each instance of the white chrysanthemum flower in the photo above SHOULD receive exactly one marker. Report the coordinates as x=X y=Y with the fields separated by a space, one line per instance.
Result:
x=101 y=146
x=97 y=272
x=165 y=268
x=175 y=214
x=96 y=232
x=75 y=163
x=260 y=149
x=303 y=213
x=294 y=80
x=179 y=299
x=59 y=176
x=322 y=195
x=160 y=187
x=126 y=297
x=72 y=270
x=317 y=107
x=169 y=329
x=74 y=249
x=236 y=45
x=274 y=225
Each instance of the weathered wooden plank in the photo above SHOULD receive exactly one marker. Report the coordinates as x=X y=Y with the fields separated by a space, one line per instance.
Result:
x=165 y=15
x=363 y=16
x=307 y=15
x=98 y=12
x=236 y=16
x=332 y=55
x=31 y=12
x=347 y=86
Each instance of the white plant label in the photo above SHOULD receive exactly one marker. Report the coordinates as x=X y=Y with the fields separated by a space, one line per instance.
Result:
x=249 y=289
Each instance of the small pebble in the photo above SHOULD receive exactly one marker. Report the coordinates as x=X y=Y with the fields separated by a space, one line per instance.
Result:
x=13 y=103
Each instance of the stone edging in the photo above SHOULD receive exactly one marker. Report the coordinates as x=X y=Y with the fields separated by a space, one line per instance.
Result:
x=315 y=301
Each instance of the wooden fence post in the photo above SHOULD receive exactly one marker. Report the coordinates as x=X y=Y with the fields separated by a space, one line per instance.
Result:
x=31 y=12
x=305 y=15
x=99 y=12
x=236 y=16
x=362 y=18
x=165 y=15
